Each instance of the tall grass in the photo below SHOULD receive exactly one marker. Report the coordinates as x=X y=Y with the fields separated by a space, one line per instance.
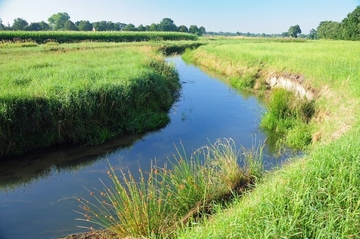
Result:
x=287 y=117
x=330 y=67
x=82 y=96
x=166 y=198
x=316 y=196
x=71 y=36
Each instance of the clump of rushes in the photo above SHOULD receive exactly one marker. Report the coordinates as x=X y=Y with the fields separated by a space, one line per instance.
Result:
x=160 y=201
x=287 y=119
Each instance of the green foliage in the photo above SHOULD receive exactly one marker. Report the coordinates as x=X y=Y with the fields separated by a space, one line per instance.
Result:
x=287 y=116
x=19 y=24
x=245 y=82
x=198 y=31
x=294 y=31
x=164 y=199
x=71 y=99
x=84 y=26
x=69 y=37
x=129 y=27
x=350 y=26
x=167 y=25
x=70 y=26
x=328 y=30
x=314 y=197
x=313 y=34
x=57 y=21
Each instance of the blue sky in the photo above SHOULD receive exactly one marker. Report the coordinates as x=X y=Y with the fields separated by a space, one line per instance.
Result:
x=256 y=16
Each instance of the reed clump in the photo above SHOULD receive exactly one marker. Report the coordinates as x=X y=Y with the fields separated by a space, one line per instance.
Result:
x=167 y=198
x=287 y=117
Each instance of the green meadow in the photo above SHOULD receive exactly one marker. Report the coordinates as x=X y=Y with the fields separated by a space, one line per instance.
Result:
x=86 y=93
x=70 y=37
x=80 y=93
x=317 y=195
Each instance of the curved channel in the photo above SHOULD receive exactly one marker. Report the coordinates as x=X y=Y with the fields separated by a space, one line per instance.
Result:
x=37 y=193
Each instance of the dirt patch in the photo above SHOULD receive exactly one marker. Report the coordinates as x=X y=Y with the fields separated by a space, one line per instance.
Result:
x=291 y=82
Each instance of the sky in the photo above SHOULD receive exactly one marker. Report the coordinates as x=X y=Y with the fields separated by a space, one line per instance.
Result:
x=255 y=16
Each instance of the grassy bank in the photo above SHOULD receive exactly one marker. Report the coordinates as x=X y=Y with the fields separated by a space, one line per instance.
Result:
x=81 y=93
x=318 y=195
x=173 y=196
x=73 y=36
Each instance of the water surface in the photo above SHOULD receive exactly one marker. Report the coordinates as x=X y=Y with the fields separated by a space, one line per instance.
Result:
x=37 y=192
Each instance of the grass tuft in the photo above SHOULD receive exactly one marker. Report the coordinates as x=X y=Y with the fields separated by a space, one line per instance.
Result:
x=287 y=117
x=166 y=198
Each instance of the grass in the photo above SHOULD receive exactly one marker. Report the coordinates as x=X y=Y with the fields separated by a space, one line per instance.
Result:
x=41 y=37
x=81 y=94
x=316 y=196
x=170 y=197
x=287 y=117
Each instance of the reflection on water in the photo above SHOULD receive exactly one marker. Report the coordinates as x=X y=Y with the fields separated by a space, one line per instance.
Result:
x=25 y=169
x=38 y=191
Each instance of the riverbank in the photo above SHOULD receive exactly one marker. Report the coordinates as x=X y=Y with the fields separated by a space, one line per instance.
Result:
x=316 y=196
x=81 y=93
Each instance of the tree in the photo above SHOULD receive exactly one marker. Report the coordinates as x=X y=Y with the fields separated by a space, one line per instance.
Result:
x=2 y=27
x=285 y=34
x=100 y=26
x=57 y=21
x=154 y=27
x=44 y=26
x=141 y=28
x=129 y=27
x=294 y=31
x=183 y=28
x=193 y=29
x=19 y=24
x=202 y=31
x=119 y=26
x=350 y=26
x=167 y=25
x=328 y=30
x=110 y=26
x=84 y=25
x=70 y=26
x=312 y=35
x=34 y=26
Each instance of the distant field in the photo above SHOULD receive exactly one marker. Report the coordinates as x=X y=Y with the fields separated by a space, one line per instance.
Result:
x=80 y=94
x=73 y=36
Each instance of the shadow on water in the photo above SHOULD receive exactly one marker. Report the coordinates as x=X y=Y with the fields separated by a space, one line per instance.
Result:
x=19 y=171
x=36 y=187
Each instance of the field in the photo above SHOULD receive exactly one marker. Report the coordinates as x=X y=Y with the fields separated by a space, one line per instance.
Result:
x=316 y=196
x=69 y=37
x=80 y=93
x=313 y=196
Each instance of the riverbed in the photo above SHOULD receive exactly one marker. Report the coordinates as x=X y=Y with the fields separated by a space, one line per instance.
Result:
x=38 y=191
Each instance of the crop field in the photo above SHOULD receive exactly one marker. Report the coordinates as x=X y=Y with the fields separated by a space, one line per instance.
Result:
x=84 y=94
x=69 y=37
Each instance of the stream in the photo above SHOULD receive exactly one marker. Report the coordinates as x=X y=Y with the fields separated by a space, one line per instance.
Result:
x=38 y=191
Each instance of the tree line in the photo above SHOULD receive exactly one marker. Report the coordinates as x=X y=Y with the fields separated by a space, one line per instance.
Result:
x=347 y=29
x=61 y=22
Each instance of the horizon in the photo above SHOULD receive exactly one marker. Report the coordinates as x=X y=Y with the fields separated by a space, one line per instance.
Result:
x=257 y=16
